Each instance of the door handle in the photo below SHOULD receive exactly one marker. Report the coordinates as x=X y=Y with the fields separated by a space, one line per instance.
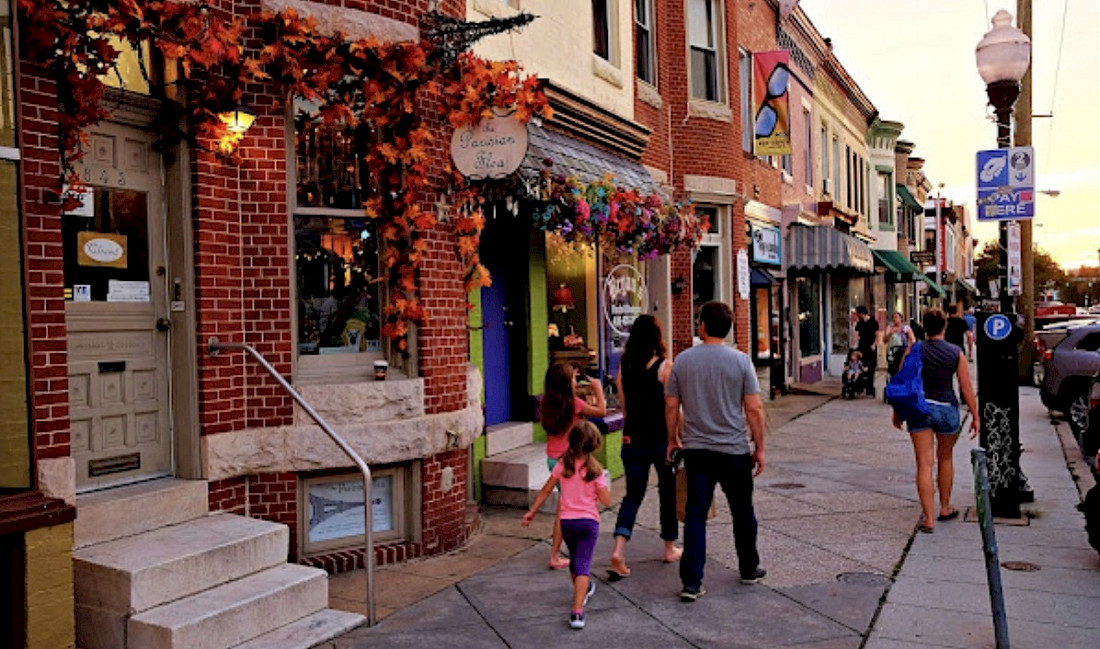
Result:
x=163 y=324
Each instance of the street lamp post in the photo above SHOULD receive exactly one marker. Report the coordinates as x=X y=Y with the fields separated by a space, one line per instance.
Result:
x=1003 y=57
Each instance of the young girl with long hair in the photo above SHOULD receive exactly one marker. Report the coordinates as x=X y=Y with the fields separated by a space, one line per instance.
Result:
x=583 y=485
x=559 y=410
x=640 y=382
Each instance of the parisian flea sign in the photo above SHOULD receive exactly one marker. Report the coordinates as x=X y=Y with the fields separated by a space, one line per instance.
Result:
x=1006 y=184
x=492 y=148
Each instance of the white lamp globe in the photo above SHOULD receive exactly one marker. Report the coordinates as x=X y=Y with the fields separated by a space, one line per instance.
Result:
x=1004 y=54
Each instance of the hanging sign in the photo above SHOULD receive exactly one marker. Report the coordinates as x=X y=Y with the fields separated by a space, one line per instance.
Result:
x=766 y=245
x=771 y=74
x=1015 y=263
x=101 y=250
x=743 y=274
x=86 y=200
x=492 y=148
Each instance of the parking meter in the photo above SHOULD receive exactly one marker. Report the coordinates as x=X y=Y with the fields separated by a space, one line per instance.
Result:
x=999 y=407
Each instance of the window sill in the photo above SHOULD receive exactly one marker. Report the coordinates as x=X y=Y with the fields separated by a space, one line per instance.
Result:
x=713 y=110
x=495 y=8
x=648 y=94
x=604 y=69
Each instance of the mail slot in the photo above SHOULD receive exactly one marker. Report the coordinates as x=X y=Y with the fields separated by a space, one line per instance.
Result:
x=107 y=367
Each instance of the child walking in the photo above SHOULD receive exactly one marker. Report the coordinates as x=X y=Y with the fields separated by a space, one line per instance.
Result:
x=583 y=483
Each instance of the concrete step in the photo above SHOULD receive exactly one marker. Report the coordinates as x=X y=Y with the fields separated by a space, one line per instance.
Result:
x=136 y=573
x=233 y=613
x=508 y=435
x=521 y=468
x=110 y=514
x=308 y=631
x=520 y=498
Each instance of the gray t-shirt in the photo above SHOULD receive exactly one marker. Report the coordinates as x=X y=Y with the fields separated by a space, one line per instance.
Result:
x=712 y=381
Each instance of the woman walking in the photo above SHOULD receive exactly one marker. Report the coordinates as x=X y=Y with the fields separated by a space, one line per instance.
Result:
x=559 y=411
x=934 y=435
x=641 y=385
x=899 y=338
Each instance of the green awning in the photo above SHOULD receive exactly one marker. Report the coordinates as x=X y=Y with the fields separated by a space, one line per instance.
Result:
x=908 y=200
x=936 y=288
x=899 y=269
x=965 y=285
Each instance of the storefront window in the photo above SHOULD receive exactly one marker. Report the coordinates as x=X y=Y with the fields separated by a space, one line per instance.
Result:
x=809 y=315
x=846 y=294
x=336 y=246
x=706 y=265
x=762 y=322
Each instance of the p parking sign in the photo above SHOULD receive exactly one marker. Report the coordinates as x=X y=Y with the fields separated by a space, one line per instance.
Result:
x=998 y=327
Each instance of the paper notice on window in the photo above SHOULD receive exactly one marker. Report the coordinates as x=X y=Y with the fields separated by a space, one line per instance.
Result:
x=123 y=291
x=336 y=508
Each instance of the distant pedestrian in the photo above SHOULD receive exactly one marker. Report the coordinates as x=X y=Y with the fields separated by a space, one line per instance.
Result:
x=899 y=337
x=559 y=410
x=867 y=343
x=972 y=325
x=957 y=332
x=640 y=382
x=712 y=402
x=934 y=435
x=583 y=484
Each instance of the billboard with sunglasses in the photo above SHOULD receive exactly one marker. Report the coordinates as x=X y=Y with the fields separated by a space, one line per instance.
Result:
x=770 y=100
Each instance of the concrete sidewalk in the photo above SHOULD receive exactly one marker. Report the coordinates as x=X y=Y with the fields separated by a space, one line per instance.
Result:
x=837 y=509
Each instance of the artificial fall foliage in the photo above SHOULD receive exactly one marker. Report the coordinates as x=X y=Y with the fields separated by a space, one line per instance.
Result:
x=204 y=58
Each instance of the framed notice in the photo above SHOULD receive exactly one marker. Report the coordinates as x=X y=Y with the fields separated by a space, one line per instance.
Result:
x=331 y=509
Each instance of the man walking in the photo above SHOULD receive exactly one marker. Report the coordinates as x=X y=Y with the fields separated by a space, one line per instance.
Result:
x=867 y=343
x=715 y=389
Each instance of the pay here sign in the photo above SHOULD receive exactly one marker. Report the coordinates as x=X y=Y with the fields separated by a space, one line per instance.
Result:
x=1006 y=184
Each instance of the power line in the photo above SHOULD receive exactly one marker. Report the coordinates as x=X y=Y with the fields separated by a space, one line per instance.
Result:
x=1054 y=91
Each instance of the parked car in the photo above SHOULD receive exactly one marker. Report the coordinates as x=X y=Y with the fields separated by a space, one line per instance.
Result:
x=1048 y=333
x=1068 y=369
x=1090 y=440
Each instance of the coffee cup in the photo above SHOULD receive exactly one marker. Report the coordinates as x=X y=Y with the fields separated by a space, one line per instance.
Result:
x=380 y=368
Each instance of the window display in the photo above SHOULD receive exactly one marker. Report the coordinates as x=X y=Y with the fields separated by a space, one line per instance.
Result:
x=809 y=315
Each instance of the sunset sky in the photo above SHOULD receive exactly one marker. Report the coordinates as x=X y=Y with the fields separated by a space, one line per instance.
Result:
x=915 y=60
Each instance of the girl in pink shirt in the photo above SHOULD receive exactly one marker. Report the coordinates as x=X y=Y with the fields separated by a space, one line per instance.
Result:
x=583 y=484
x=559 y=410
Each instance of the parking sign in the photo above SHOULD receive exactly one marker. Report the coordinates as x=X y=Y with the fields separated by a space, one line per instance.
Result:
x=998 y=327
x=1006 y=184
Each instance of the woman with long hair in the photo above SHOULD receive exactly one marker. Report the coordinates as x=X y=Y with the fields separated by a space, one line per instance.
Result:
x=934 y=435
x=640 y=382
x=559 y=410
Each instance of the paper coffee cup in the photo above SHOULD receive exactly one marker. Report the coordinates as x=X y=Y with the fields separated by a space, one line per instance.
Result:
x=380 y=368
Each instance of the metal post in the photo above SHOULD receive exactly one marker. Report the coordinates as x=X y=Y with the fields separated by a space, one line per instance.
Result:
x=1027 y=252
x=989 y=547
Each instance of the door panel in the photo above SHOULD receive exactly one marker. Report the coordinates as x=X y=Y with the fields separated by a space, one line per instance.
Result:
x=115 y=289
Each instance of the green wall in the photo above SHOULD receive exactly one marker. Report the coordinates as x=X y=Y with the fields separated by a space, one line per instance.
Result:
x=15 y=456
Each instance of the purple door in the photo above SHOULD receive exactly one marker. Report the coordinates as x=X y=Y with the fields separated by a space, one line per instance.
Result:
x=504 y=249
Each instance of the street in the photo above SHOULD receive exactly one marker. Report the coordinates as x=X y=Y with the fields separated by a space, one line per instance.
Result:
x=837 y=510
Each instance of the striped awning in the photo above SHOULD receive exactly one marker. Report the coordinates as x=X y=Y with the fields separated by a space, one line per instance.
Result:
x=564 y=155
x=825 y=248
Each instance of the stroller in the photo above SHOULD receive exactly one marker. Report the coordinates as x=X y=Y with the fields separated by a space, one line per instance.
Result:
x=864 y=382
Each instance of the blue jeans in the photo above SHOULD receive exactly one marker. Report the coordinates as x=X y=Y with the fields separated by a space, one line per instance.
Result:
x=734 y=473
x=942 y=418
x=636 y=461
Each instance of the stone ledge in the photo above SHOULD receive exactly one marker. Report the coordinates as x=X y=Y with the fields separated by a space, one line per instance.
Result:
x=363 y=402
x=710 y=110
x=351 y=22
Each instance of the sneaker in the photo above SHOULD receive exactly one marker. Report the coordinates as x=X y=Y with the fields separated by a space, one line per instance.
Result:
x=576 y=621
x=588 y=595
x=689 y=594
x=756 y=576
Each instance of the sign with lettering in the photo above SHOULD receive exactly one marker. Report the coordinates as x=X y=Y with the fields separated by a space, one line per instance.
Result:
x=101 y=250
x=1006 y=184
x=492 y=148
x=767 y=245
x=922 y=257
x=624 y=299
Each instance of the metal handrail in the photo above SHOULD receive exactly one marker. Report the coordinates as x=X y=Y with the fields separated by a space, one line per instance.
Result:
x=213 y=347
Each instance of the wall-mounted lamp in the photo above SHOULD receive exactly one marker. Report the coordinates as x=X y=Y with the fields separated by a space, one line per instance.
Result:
x=562 y=298
x=237 y=120
x=678 y=285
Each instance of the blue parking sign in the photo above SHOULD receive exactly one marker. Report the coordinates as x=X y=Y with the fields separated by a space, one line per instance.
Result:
x=1006 y=184
x=998 y=327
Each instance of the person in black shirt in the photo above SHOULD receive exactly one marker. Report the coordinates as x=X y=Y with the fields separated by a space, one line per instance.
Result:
x=958 y=332
x=867 y=343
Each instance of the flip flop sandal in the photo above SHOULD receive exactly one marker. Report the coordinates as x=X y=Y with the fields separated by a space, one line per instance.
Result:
x=953 y=514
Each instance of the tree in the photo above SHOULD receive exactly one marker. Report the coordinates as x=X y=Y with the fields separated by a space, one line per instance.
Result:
x=987 y=267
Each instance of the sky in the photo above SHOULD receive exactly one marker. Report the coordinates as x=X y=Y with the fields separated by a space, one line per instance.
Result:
x=915 y=60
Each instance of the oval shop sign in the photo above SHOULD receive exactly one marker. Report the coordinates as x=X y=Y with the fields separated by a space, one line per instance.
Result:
x=492 y=148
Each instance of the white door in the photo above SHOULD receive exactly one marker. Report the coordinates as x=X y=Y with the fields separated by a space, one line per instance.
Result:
x=115 y=313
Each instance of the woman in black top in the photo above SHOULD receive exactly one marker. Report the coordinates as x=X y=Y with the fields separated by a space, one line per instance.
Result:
x=934 y=434
x=641 y=386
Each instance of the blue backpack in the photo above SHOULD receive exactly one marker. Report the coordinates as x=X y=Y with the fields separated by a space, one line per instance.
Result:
x=905 y=391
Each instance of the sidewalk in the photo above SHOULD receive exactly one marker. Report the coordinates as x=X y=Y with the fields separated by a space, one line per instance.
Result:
x=837 y=509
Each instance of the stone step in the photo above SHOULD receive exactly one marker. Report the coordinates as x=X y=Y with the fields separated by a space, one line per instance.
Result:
x=522 y=468
x=508 y=435
x=520 y=498
x=110 y=514
x=233 y=613
x=136 y=573
x=308 y=631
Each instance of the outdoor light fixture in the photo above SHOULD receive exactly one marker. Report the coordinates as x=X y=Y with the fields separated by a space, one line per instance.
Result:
x=1003 y=55
x=563 y=299
x=237 y=120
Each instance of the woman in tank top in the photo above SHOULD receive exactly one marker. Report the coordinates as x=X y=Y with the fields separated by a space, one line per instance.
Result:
x=641 y=386
x=934 y=434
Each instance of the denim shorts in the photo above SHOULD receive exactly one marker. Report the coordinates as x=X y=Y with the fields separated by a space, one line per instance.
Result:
x=942 y=418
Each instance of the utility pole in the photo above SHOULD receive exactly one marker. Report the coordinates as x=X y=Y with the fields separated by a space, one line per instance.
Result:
x=1027 y=248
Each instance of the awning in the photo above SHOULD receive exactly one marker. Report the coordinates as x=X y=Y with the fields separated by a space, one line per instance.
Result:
x=907 y=199
x=936 y=288
x=561 y=154
x=823 y=248
x=899 y=269
x=761 y=277
x=965 y=285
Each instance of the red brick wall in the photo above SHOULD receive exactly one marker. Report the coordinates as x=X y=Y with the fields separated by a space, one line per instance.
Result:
x=444 y=514
x=44 y=273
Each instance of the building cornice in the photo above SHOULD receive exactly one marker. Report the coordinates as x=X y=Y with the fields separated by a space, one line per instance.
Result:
x=588 y=121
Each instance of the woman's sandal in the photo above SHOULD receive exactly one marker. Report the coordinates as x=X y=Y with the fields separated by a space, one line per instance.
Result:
x=951 y=515
x=618 y=570
x=558 y=563
x=924 y=527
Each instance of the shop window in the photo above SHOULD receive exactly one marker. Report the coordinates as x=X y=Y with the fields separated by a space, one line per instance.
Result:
x=339 y=297
x=809 y=316
x=645 y=42
x=601 y=28
x=846 y=294
x=765 y=323
x=330 y=509
x=709 y=264
x=704 y=36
